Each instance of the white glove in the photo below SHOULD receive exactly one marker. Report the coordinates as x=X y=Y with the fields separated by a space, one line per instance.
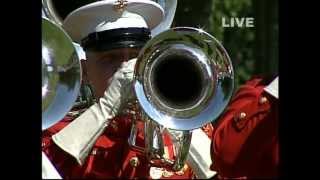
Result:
x=48 y=170
x=80 y=135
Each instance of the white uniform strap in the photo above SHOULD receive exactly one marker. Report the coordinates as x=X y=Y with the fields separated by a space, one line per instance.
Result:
x=199 y=155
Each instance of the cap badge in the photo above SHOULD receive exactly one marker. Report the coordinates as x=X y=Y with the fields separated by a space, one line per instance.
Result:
x=120 y=5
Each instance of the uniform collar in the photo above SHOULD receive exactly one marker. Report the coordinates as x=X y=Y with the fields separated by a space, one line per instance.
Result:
x=272 y=88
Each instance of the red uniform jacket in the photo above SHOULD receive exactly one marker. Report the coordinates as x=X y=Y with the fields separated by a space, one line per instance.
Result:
x=245 y=139
x=111 y=155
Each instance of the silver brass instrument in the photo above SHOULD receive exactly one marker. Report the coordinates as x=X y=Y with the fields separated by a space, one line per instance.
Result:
x=49 y=11
x=183 y=80
x=56 y=11
x=52 y=10
x=61 y=73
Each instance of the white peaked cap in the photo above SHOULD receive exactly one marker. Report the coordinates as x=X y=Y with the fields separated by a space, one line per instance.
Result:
x=102 y=15
x=127 y=20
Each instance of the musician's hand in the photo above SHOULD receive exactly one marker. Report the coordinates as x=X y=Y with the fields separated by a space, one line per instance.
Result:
x=80 y=135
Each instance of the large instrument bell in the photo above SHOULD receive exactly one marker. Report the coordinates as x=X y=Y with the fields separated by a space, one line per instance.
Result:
x=61 y=73
x=183 y=78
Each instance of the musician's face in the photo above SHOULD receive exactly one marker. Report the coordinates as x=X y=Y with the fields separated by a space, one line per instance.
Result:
x=101 y=66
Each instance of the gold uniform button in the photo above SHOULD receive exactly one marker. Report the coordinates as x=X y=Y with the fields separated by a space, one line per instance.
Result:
x=134 y=161
x=242 y=115
x=263 y=100
x=94 y=152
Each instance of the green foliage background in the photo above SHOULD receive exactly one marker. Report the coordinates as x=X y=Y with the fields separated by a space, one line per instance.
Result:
x=253 y=51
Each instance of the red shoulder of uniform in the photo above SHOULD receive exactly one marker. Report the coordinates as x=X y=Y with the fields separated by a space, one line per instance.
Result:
x=246 y=133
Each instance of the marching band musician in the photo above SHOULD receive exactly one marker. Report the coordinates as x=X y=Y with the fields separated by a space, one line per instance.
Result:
x=95 y=144
x=245 y=142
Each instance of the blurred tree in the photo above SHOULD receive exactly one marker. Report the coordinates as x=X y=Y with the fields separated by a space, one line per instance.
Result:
x=266 y=42
x=239 y=42
x=193 y=13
